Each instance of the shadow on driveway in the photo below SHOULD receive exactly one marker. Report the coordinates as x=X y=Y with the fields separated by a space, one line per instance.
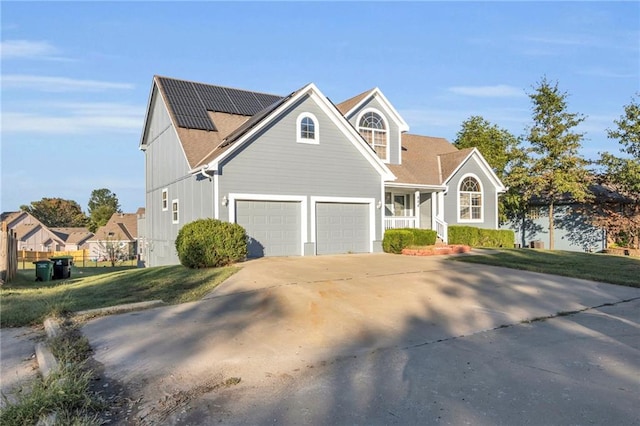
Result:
x=381 y=339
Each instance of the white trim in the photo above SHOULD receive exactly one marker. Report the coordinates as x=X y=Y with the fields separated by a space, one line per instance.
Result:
x=352 y=200
x=404 y=127
x=332 y=113
x=233 y=197
x=216 y=197
x=482 y=200
x=316 y=129
x=164 y=197
x=387 y=130
x=483 y=165
x=415 y=186
x=175 y=220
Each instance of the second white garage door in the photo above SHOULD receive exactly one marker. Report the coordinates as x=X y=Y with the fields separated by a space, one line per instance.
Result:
x=342 y=228
x=272 y=226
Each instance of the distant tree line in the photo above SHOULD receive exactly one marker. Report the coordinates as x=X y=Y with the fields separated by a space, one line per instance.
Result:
x=58 y=212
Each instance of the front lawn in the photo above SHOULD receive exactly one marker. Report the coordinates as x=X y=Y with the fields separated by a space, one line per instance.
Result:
x=26 y=302
x=622 y=270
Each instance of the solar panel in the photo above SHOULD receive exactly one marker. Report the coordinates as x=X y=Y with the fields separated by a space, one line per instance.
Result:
x=190 y=102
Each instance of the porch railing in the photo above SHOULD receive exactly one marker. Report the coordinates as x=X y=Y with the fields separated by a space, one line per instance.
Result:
x=441 y=229
x=399 y=222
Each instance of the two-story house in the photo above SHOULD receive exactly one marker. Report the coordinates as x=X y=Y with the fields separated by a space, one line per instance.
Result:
x=302 y=175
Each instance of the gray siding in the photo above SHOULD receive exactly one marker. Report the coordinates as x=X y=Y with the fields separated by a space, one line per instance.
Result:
x=274 y=163
x=167 y=167
x=572 y=231
x=425 y=210
x=394 y=130
x=489 y=197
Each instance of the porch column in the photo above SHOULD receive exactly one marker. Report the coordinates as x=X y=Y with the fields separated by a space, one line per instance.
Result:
x=416 y=210
x=434 y=209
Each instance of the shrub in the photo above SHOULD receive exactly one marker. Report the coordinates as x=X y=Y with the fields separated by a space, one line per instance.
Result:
x=479 y=237
x=209 y=243
x=397 y=239
x=423 y=237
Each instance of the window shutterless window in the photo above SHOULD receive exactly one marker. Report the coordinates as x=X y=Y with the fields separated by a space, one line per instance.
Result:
x=307 y=129
x=470 y=200
x=165 y=199
x=374 y=130
x=174 y=211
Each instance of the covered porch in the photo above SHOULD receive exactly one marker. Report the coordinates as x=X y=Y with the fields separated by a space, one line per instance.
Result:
x=415 y=207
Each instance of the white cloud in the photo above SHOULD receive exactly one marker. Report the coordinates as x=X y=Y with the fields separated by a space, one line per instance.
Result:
x=497 y=91
x=76 y=118
x=58 y=84
x=26 y=49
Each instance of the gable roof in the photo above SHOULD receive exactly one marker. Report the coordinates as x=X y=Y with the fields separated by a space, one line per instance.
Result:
x=243 y=134
x=121 y=227
x=203 y=115
x=25 y=224
x=76 y=236
x=346 y=106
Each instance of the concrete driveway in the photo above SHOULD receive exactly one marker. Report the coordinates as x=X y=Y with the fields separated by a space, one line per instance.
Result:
x=381 y=339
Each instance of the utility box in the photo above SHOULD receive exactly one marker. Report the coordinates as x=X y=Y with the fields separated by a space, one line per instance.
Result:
x=537 y=244
x=62 y=267
x=44 y=270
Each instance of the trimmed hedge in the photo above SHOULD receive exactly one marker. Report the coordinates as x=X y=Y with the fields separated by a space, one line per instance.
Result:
x=210 y=243
x=480 y=237
x=397 y=239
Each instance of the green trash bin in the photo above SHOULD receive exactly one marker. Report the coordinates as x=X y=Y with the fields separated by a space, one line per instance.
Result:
x=62 y=267
x=44 y=270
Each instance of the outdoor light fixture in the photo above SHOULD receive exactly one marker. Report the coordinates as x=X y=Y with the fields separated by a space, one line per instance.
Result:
x=225 y=201
x=379 y=204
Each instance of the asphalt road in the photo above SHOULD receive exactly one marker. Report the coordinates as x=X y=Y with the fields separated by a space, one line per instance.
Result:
x=381 y=339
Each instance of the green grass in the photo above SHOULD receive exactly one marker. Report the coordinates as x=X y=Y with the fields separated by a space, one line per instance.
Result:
x=620 y=270
x=65 y=391
x=26 y=302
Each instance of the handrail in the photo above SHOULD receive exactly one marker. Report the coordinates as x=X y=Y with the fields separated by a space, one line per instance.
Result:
x=441 y=229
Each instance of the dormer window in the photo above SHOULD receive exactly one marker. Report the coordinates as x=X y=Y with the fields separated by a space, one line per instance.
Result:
x=373 y=129
x=307 y=128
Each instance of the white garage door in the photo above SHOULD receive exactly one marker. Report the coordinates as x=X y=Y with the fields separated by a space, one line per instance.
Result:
x=273 y=227
x=342 y=228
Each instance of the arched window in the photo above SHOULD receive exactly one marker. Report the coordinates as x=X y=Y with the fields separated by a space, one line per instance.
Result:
x=470 y=199
x=374 y=130
x=307 y=128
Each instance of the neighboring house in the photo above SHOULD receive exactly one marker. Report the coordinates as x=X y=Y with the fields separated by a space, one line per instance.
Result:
x=32 y=234
x=120 y=230
x=74 y=238
x=573 y=227
x=303 y=176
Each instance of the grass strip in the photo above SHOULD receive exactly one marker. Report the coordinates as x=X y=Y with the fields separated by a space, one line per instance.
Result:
x=621 y=270
x=26 y=302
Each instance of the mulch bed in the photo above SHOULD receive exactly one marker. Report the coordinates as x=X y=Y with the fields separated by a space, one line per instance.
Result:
x=437 y=250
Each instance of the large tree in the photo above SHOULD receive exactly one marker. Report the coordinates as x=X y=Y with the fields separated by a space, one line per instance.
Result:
x=622 y=175
x=57 y=212
x=556 y=167
x=102 y=205
x=502 y=151
x=496 y=145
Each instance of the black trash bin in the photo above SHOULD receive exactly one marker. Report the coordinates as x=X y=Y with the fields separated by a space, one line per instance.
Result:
x=62 y=267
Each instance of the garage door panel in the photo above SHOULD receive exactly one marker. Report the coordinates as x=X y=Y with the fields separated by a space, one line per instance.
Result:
x=342 y=228
x=273 y=227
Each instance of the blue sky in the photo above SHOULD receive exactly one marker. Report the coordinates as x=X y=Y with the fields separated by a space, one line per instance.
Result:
x=76 y=76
